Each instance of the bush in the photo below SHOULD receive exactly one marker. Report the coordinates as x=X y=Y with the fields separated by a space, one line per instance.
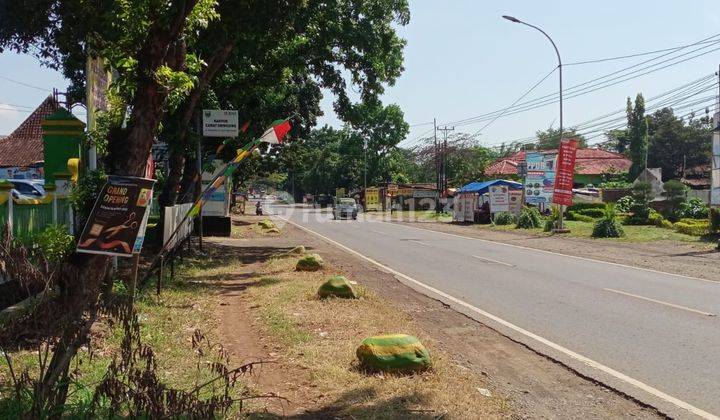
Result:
x=552 y=221
x=655 y=218
x=642 y=195
x=715 y=220
x=529 y=218
x=608 y=226
x=676 y=193
x=592 y=212
x=582 y=206
x=55 y=242
x=624 y=204
x=579 y=217
x=504 y=218
x=666 y=224
x=694 y=208
x=694 y=229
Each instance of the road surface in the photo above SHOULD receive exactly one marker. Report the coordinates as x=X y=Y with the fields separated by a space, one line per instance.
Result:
x=652 y=335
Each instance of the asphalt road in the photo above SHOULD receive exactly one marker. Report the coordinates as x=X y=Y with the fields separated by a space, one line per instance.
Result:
x=655 y=328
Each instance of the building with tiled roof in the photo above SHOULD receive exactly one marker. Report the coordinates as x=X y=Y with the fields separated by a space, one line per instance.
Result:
x=590 y=165
x=23 y=148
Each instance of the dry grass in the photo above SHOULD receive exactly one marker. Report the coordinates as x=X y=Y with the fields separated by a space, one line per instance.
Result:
x=322 y=335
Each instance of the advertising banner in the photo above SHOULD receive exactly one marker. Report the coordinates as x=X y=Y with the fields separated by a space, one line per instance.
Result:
x=372 y=199
x=499 y=198
x=515 y=201
x=562 y=191
x=540 y=177
x=114 y=224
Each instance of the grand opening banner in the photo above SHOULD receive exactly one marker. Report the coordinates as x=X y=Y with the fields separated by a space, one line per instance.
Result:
x=565 y=174
x=119 y=214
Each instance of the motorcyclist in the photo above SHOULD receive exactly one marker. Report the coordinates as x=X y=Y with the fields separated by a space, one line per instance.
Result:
x=258 y=208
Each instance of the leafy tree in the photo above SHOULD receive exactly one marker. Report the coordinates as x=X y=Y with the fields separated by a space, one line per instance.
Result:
x=550 y=139
x=676 y=145
x=466 y=160
x=617 y=141
x=642 y=194
x=637 y=135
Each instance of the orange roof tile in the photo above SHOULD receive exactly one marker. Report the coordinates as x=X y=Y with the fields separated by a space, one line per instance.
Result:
x=24 y=146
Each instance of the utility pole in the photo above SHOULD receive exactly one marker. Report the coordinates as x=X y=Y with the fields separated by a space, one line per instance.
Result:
x=437 y=166
x=443 y=177
x=365 y=146
x=716 y=145
x=198 y=187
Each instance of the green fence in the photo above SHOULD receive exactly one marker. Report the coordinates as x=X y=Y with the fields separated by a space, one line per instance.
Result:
x=29 y=218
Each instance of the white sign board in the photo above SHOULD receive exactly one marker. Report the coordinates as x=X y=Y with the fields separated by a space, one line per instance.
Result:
x=220 y=123
x=499 y=198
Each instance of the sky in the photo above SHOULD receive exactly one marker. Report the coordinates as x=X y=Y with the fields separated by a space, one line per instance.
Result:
x=463 y=60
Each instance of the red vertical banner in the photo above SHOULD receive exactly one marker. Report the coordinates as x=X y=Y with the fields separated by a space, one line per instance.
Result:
x=562 y=190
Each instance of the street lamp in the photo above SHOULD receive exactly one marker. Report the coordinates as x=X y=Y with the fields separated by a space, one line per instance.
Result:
x=557 y=52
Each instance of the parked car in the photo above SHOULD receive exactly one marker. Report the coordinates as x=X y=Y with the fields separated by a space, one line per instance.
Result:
x=345 y=208
x=24 y=188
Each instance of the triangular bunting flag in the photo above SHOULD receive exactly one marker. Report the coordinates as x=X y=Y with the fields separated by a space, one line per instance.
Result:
x=276 y=133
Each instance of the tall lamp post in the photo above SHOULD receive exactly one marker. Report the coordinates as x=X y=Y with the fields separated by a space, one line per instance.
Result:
x=557 y=52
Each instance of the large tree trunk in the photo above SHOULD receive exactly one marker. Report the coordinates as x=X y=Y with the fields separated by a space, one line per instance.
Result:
x=81 y=284
x=181 y=147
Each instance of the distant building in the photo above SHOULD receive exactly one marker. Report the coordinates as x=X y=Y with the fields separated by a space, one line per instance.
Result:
x=21 y=152
x=590 y=165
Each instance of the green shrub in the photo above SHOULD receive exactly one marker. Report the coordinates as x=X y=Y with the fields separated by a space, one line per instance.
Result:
x=55 y=242
x=504 y=218
x=592 y=212
x=529 y=218
x=715 y=220
x=694 y=229
x=642 y=195
x=694 y=208
x=553 y=221
x=582 y=206
x=655 y=218
x=624 y=204
x=676 y=193
x=608 y=226
x=580 y=217
x=666 y=224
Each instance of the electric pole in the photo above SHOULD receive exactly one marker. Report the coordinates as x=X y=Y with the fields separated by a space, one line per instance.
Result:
x=437 y=166
x=443 y=176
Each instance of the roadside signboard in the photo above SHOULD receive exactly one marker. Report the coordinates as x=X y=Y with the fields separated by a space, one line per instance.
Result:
x=499 y=198
x=407 y=192
x=220 y=123
x=425 y=194
x=372 y=199
x=515 y=201
x=117 y=218
x=562 y=190
x=392 y=189
x=540 y=177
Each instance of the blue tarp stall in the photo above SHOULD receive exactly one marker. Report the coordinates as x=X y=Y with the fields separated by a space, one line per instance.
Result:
x=468 y=198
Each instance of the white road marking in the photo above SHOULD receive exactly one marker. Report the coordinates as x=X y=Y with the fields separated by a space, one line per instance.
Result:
x=378 y=232
x=418 y=242
x=650 y=270
x=493 y=261
x=684 y=308
x=557 y=347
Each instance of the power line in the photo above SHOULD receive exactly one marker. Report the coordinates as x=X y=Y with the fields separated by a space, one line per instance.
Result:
x=578 y=90
x=527 y=92
x=25 y=84
x=622 y=57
